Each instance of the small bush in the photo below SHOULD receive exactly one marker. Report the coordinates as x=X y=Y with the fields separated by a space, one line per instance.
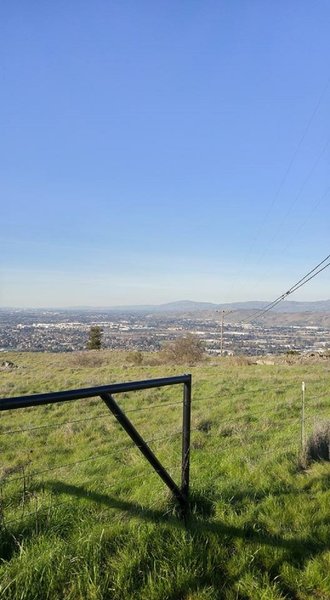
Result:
x=188 y=349
x=135 y=358
x=239 y=361
x=87 y=358
x=318 y=445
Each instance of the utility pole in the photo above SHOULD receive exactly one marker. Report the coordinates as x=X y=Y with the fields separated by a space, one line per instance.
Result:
x=221 y=330
x=221 y=340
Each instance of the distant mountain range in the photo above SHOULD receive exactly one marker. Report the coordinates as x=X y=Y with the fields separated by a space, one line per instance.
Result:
x=184 y=306
x=191 y=306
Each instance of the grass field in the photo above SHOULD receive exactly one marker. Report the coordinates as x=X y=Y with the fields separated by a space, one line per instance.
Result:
x=83 y=516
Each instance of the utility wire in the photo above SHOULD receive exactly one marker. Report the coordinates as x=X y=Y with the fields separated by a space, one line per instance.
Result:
x=294 y=290
x=301 y=225
x=293 y=204
x=288 y=170
x=310 y=275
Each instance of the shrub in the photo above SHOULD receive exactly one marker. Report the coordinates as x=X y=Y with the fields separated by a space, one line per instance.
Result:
x=188 y=349
x=88 y=359
x=135 y=357
x=239 y=361
x=318 y=445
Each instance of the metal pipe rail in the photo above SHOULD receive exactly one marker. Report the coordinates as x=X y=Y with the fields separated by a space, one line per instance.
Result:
x=105 y=392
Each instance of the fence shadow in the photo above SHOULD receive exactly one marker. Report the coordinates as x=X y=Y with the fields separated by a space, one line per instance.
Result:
x=300 y=549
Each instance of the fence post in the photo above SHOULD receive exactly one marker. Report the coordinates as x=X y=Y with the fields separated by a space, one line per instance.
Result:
x=185 y=467
x=143 y=447
x=303 y=416
x=106 y=393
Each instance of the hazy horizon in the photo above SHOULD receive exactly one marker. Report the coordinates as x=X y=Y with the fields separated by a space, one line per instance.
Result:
x=173 y=302
x=160 y=151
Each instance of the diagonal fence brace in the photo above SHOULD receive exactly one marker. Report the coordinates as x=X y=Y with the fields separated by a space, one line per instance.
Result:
x=144 y=448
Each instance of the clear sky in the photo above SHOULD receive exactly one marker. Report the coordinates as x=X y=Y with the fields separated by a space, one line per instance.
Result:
x=157 y=151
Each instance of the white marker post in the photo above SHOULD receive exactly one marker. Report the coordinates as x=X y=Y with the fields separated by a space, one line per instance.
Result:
x=303 y=388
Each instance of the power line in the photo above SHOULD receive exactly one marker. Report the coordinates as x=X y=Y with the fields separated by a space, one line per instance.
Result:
x=292 y=205
x=301 y=225
x=310 y=275
x=288 y=170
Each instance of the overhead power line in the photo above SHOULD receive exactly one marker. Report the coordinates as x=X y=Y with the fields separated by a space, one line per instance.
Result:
x=310 y=275
x=284 y=178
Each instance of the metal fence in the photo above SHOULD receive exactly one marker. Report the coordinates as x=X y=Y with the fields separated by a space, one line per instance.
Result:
x=252 y=429
x=263 y=430
x=20 y=472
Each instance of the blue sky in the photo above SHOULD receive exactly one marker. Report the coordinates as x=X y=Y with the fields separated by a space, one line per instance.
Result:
x=156 y=151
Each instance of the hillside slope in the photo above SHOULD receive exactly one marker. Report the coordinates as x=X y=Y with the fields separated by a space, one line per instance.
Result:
x=84 y=516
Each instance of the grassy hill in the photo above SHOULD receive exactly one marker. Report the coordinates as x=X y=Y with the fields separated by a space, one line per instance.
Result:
x=83 y=516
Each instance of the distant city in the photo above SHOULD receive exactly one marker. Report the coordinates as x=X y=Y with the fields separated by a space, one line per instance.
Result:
x=66 y=330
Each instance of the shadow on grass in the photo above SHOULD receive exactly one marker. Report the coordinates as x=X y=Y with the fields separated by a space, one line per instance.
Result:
x=199 y=522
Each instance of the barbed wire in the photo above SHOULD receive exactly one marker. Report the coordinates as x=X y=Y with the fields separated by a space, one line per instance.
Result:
x=200 y=428
x=105 y=414
x=230 y=396
x=53 y=426
x=272 y=414
x=220 y=395
x=152 y=406
x=66 y=503
x=84 y=460
x=318 y=397
x=247 y=414
x=280 y=451
x=4 y=522
x=315 y=417
x=51 y=507
x=56 y=468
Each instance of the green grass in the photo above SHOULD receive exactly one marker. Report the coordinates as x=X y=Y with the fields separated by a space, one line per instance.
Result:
x=85 y=517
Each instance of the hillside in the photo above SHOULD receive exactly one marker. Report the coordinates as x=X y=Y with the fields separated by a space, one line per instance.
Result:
x=179 y=306
x=84 y=517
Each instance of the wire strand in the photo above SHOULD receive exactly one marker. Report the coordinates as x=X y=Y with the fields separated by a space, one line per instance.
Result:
x=286 y=174
x=66 y=503
x=291 y=290
x=84 y=460
x=105 y=414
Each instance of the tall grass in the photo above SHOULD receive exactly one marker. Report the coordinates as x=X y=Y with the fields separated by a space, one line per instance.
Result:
x=84 y=516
